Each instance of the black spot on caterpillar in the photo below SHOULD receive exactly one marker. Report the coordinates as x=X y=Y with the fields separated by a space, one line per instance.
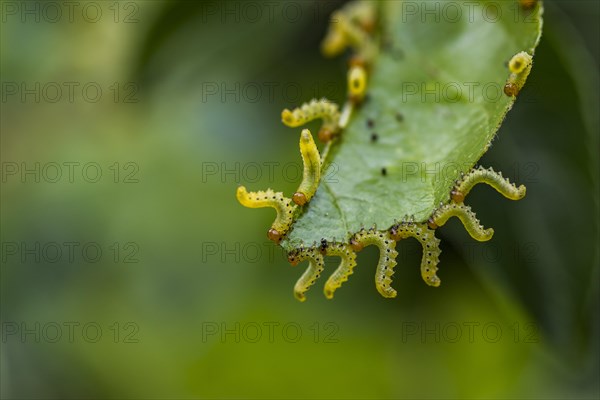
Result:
x=323 y=246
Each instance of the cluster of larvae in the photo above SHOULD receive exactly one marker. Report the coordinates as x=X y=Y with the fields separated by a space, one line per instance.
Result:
x=354 y=29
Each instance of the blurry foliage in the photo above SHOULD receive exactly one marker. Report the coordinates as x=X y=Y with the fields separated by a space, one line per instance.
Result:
x=176 y=289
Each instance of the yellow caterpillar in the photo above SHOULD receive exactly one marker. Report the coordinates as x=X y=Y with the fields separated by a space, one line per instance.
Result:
x=357 y=83
x=345 y=269
x=490 y=177
x=431 y=247
x=520 y=66
x=312 y=169
x=316 y=109
x=466 y=216
x=284 y=207
x=312 y=273
x=387 y=257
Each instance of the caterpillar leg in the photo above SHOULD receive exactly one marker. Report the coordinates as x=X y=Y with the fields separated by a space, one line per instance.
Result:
x=316 y=109
x=315 y=267
x=283 y=205
x=345 y=269
x=490 y=177
x=431 y=247
x=387 y=257
x=466 y=216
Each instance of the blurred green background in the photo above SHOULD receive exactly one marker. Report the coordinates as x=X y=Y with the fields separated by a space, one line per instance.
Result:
x=151 y=281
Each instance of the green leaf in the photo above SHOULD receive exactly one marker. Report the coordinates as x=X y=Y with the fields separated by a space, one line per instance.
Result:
x=435 y=102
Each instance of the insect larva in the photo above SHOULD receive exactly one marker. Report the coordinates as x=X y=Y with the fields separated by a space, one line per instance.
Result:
x=312 y=273
x=363 y=13
x=490 y=177
x=284 y=207
x=519 y=66
x=357 y=26
x=387 y=257
x=343 y=271
x=357 y=83
x=519 y=62
x=337 y=38
x=312 y=169
x=316 y=109
x=466 y=216
x=431 y=247
x=351 y=27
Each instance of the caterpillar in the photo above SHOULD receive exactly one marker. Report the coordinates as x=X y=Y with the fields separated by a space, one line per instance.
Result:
x=312 y=273
x=315 y=109
x=345 y=269
x=351 y=27
x=312 y=169
x=519 y=66
x=431 y=247
x=315 y=256
x=387 y=257
x=284 y=207
x=490 y=177
x=357 y=83
x=466 y=216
